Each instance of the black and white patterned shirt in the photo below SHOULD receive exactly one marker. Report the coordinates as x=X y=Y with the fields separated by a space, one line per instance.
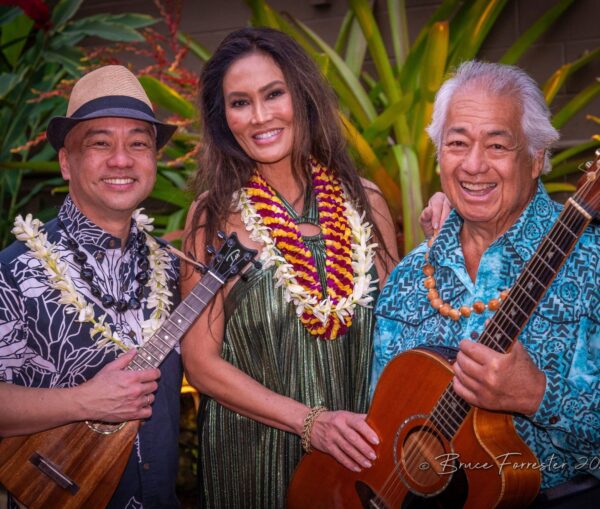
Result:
x=43 y=346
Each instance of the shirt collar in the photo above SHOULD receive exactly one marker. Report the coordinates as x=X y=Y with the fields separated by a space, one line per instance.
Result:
x=86 y=233
x=524 y=235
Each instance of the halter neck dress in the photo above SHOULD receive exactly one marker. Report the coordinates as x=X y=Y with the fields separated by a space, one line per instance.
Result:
x=246 y=464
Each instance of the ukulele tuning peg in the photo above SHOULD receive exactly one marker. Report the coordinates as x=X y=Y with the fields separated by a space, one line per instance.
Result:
x=244 y=277
x=221 y=235
x=257 y=264
x=211 y=250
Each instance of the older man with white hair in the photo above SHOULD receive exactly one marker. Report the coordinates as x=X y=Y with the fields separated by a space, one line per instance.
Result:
x=492 y=131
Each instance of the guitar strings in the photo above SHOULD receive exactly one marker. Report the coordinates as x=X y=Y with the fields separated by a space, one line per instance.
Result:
x=571 y=217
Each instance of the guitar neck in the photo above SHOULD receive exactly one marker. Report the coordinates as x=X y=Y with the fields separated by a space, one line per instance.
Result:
x=536 y=277
x=154 y=351
x=514 y=312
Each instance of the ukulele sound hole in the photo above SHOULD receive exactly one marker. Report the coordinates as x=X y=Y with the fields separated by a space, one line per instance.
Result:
x=420 y=453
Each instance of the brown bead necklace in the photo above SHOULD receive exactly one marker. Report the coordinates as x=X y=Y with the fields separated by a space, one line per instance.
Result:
x=446 y=309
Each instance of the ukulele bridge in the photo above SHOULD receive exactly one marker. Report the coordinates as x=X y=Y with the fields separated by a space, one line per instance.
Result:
x=53 y=472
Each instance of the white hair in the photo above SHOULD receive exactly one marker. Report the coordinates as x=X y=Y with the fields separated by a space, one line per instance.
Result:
x=500 y=80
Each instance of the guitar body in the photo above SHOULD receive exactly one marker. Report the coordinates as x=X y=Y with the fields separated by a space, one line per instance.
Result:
x=92 y=461
x=495 y=457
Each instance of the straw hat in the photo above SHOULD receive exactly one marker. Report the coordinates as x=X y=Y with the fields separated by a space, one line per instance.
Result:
x=109 y=91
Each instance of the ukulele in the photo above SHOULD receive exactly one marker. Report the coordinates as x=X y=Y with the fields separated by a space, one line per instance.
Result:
x=426 y=425
x=80 y=464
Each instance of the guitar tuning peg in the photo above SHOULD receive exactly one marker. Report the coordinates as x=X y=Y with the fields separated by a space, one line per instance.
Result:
x=211 y=250
x=221 y=235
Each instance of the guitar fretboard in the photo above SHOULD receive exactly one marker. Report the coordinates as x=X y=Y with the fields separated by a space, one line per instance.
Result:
x=514 y=312
x=154 y=351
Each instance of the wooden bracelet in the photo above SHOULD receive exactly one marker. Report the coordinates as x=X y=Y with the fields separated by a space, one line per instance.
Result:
x=309 y=422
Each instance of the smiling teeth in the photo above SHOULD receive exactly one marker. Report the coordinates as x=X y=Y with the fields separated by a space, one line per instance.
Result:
x=119 y=181
x=477 y=187
x=268 y=134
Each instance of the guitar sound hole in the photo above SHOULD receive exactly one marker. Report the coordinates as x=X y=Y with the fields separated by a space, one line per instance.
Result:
x=421 y=453
x=105 y=428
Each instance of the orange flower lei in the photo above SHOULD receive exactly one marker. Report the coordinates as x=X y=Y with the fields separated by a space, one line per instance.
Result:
x=326 y=316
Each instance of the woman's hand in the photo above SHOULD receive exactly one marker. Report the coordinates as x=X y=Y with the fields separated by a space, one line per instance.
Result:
x=433 y=216
x=347 y=437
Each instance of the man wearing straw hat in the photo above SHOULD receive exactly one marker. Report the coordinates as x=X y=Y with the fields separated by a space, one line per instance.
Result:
x=87 y=286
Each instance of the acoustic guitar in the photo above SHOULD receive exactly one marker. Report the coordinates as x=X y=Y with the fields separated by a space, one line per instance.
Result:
x=425 y=428
x=80 y=464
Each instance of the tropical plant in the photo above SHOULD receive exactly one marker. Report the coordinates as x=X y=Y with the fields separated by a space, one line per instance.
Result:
x=385 y=114
x=39 y=59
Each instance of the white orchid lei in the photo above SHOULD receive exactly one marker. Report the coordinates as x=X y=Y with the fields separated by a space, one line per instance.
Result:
x=363 y=255
x=29 y=231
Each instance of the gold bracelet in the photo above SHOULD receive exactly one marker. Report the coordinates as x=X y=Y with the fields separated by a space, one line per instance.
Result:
x=309 y=422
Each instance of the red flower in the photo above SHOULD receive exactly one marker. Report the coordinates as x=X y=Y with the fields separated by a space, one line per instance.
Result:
x=37 y=10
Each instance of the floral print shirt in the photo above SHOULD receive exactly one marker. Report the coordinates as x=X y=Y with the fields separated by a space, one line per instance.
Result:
x=562 y=336
x=43 y=346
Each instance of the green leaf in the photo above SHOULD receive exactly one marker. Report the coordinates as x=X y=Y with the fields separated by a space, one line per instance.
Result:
x=578 y=102
x=345 y=73
x=134 y=20
x=263 y=15
x=15 y=32
x=433 y=65
x=534 y=32
x=168 y=98
x=356 y=47
x=167 y=192
x=8 y=81
x=64 y=11
x=559 y=187
x=386 y=119
x=109 y=31
x=412 y=203
x=572 y=151
x=556 y=81
x=195 y=47
x=474 y=28
x=37 y=166
x=399 y=30
x=7 y=14
x=69 y=58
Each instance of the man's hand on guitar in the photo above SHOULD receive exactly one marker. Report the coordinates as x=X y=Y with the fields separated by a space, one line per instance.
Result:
x=346 y=437
x=508 y=382
x=116 y=394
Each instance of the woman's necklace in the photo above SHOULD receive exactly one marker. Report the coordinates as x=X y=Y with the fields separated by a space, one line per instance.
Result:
x=28 y=230
x=446 y=309
x=349 y=256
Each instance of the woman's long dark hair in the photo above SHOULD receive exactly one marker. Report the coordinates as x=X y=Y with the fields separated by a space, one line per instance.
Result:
x=224 y=166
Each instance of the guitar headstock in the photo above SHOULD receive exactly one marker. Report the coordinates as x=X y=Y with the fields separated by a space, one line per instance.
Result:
x=588 y=187
x=231 y=258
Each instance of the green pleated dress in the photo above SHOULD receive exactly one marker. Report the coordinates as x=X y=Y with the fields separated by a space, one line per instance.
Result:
x=246 y=464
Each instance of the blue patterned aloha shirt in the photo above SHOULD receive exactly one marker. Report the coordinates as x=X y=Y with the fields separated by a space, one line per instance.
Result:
x=562 y=336
x=42 y=346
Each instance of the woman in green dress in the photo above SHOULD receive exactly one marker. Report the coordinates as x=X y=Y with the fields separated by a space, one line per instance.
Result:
x=282 y=358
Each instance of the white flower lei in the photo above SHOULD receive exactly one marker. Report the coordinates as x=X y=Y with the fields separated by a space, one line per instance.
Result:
x=363 y=255
x=28 y=231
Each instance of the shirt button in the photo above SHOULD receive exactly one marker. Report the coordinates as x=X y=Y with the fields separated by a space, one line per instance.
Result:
x=99 y=256
x=474 y=335
x=111 y=243
x=554 y=419
x=146 y=466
